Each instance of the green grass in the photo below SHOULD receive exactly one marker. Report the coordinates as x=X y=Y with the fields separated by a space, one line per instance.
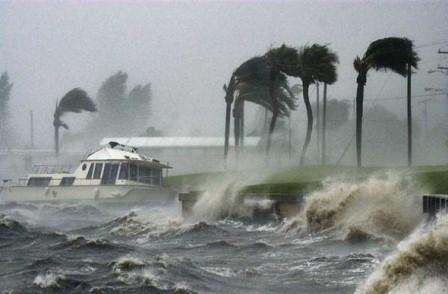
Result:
x=301 y=180
x=435 y=182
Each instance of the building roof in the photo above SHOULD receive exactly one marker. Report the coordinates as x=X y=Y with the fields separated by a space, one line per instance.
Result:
x=166 y=142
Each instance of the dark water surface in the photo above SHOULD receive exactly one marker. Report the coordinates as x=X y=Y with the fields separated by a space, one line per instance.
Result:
x=85 y=248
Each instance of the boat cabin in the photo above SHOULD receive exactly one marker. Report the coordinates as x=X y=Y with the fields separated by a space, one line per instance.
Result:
x=114 y=164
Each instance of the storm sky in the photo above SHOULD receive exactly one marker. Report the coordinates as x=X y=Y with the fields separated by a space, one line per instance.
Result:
x=188 y=50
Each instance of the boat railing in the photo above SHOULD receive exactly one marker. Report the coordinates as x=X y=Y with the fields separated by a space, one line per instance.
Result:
x=51 y=169
x=58 y=181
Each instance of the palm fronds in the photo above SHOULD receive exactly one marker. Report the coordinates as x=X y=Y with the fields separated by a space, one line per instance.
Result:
x=76 y=100
x=391 y=53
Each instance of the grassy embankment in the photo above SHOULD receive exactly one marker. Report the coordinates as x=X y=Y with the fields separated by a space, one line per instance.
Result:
x=301 y=180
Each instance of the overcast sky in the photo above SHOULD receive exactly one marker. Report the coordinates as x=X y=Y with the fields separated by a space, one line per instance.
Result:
x=188 y=49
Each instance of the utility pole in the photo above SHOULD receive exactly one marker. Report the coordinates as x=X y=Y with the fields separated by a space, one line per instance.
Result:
x=31 y=129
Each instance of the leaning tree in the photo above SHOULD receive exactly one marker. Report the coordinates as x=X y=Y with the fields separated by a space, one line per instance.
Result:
x=76 y=100
x=250 y=75
x=254 y=82
x=315 y=63
x=393 y=53
x=328 y=76
x=282 y=62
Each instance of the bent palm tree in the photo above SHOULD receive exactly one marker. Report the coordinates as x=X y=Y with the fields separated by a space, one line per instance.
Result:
x=250 y=72
x=396 y=54
x=282 y=61
x=315 y=63
x=328 y=76
x=229 y=100
x=76 y=100
x=251 y=82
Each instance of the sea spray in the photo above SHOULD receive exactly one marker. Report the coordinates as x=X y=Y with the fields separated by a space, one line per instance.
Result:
x=382 y=206
x=49 y=280
x=419 y=265
x=222 y=198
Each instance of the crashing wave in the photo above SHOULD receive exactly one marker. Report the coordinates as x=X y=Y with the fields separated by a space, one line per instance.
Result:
x=49 y=280
x=420 y=264
x=58 y=281
x=81 y=243
x=151 y=275
x=127 y=263
x=8 y=225
x=141 y=224
x=379 y=207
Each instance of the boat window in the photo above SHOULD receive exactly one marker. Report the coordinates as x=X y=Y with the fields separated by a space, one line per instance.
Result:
x=123 y=171
x=97 y=172
x=156 y=176
x=39 y=182
x=110 y=173
x=106 y=174
x=133 y=172
x=144 y=174
x=113 y=173
x=67 y=181
x=90 y=172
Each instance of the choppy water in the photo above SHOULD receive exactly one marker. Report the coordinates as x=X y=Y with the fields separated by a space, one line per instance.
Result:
x=86 y=248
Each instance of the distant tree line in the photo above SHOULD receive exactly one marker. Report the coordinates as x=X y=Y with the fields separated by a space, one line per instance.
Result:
x=119 y=112
x=122 y=112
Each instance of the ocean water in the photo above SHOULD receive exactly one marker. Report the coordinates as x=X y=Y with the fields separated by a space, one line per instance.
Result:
x=367 y=237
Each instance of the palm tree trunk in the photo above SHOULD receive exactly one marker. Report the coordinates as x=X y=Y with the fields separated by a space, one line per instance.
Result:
x=317 y=119
x=242 y=126
x=56 y=140
x=409 y=110
x=361 y=80
x=324 y=123
x=236 y=128
x=265 y=127
x=309 y=116
x=271 y=131
x=227 y=130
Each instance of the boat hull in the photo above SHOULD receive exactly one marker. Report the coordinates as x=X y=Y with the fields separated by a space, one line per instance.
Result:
x=103 y=193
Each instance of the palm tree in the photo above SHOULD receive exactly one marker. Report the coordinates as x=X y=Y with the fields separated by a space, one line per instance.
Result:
x=315 y=63
x=76 y=100
x=250 y=72
x=251 y=82
x=282 y=62
x=396 y=54
x=229 y=100
x=328 y=76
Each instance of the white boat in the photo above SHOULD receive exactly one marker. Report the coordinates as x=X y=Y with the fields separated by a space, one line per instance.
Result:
x=113 y=173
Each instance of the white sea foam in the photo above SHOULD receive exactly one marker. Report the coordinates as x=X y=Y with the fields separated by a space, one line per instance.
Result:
x=418 y=266
x=48 y=280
